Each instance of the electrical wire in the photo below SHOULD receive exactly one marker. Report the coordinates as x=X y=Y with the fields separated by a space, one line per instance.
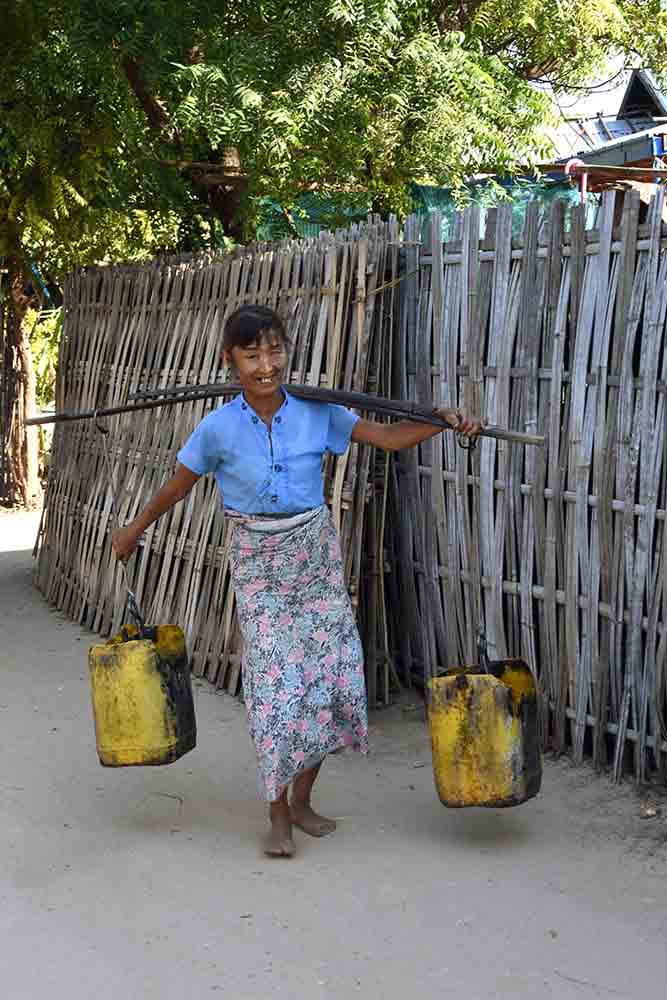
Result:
x=591 y=88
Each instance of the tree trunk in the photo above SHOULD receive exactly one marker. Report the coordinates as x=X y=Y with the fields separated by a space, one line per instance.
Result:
x=227 y=204
x=23 y=485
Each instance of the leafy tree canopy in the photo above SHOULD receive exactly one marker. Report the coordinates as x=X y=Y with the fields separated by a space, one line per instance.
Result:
x=130 y=126
x=118 y=116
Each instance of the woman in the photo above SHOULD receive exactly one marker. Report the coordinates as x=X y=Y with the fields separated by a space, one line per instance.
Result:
x=303 y=678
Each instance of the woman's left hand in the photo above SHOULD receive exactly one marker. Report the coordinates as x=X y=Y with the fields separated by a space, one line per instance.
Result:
x=470 y=427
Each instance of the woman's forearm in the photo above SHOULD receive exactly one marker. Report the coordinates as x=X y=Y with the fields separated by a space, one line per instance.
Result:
x=174 y=489
x=406 y=434
x=125 y=540
x=163 y=501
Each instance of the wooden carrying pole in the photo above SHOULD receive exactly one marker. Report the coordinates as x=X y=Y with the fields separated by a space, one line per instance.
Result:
x=403 y=409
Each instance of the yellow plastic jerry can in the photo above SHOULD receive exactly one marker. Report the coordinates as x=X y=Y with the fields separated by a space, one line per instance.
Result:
x=142 y=697
x=484 y=735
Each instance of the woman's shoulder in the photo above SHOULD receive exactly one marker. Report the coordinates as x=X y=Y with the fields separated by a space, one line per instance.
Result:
x=221 y=419
x=226 y=413
x=316 y=407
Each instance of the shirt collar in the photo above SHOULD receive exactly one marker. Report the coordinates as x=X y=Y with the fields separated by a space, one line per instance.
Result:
x=245 y=405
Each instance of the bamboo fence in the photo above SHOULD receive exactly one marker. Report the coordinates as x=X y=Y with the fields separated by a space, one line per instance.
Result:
x=134 y=326
x=561 y=333
x=558 y=553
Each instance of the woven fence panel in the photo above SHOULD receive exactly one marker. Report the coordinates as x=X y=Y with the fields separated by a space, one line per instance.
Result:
x=156 y=325
x=558 y=553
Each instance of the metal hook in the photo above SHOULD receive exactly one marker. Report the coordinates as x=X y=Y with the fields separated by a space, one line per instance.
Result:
x=483 y=651
x=100 y=427
x=468 y=444
x=133 y=609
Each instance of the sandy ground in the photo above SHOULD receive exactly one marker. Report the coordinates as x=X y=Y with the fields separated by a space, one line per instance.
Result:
x=147 y=883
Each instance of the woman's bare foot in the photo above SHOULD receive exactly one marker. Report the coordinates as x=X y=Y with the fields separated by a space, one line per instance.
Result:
x=279 y=843
x=305 y=817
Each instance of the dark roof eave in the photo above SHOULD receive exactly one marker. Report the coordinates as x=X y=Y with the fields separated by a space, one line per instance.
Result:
x=649 y=84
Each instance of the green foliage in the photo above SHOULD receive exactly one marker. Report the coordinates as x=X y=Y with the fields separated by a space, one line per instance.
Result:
x=45 y=329
x=344 y=95
x=569 y=41
x=102 y=99
x=116 y=115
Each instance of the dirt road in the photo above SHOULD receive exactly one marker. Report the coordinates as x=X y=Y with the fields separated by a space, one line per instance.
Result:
x=148 y=883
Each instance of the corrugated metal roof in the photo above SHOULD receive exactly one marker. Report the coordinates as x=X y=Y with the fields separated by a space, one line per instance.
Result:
x=583 y=134
x=582 y=137
x=602 y=131
x=630 y=148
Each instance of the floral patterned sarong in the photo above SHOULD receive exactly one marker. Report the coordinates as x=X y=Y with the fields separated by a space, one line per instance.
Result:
x=303 y=678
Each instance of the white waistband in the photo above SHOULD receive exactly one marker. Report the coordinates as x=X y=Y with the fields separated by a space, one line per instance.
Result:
x=259 y=522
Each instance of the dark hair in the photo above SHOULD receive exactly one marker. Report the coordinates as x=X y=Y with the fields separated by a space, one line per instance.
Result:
x=250 y=324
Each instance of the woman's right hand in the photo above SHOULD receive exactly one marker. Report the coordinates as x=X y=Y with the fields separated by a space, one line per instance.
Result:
x=124 y=541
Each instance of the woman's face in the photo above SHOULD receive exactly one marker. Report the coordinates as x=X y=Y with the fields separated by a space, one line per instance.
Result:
x=260 y=365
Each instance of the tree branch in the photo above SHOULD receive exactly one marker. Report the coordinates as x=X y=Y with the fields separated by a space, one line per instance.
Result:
x=157 y=116
x=458 y=18
x=287 y=215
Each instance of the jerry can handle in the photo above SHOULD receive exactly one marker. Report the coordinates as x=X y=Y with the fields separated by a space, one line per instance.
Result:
x=133 y=609
x=483 y=652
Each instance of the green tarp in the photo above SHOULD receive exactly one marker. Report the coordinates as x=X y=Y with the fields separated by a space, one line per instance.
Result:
x=313 y=213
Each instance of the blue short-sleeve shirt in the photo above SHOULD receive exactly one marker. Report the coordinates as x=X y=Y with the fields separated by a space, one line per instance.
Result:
x=259 y=472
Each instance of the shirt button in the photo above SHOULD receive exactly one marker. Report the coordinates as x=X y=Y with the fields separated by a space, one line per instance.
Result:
x=274 y=499
x=244 y=406
x=278 y=468
x=255 y=420
x=277 y=419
